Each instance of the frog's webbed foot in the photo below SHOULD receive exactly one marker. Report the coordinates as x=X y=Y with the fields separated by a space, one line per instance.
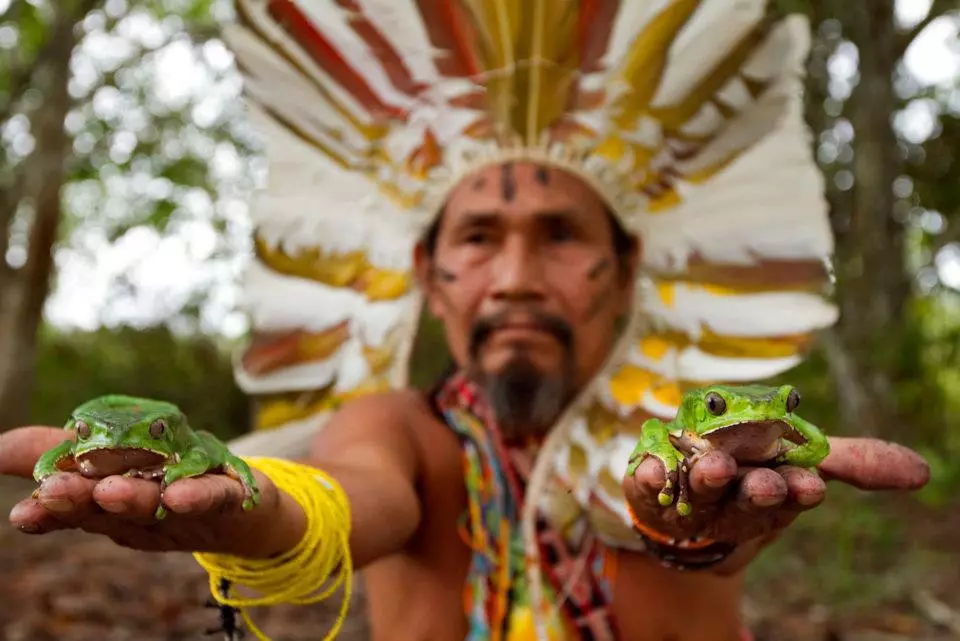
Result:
x=683 y=495
x=655 y=442
x=237 y=468
x=49 y=462
x=676 y=487
x=195 y=463
x=812 y=446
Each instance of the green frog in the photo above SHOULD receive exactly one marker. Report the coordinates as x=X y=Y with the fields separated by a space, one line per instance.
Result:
x=142 y=438
x=756 y=424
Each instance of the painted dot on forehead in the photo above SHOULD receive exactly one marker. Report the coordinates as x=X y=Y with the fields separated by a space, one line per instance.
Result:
x=508 y=182
x=542 y=175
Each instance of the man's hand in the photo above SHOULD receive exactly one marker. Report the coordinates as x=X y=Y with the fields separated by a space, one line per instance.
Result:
x=750 y=507
x=204 y=514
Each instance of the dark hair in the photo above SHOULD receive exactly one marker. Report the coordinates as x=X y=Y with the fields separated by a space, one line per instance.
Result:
x=622 y=241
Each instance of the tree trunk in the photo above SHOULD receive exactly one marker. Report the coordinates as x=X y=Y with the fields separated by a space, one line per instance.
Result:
x=37 y=187
x=873 y=285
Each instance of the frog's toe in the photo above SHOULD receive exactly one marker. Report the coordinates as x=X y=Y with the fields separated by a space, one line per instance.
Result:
x=666 y=495
x=251 y=493
x=683 y=496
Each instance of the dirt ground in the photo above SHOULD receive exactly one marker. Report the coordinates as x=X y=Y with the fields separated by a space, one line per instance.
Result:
x=74 y=587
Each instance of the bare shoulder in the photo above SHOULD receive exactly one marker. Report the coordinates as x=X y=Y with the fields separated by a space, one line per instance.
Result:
x=393 y=423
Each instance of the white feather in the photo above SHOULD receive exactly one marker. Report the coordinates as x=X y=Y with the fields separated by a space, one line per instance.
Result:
x=703 y=42
x=768 y=204
x=748 y=315
x=302 y=377
x=331 y=21
x=290 y=441
x=692 y=363
x=279 y=303
x=402 y=25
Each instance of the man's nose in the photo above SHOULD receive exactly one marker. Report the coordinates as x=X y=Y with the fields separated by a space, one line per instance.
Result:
x=518 y=272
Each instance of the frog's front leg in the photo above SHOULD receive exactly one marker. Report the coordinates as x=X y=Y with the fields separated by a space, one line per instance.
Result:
x=49 y=462
x=809 y=453
x=655 y=441
x=195 y=462
x=233 y=466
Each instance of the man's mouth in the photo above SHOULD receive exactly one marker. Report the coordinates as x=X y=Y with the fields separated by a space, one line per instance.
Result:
x=520 y=329
x=516 y=332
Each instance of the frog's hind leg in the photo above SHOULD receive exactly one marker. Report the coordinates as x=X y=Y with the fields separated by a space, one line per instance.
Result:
x=195 y=462
x=234 y=467
x=655 y=441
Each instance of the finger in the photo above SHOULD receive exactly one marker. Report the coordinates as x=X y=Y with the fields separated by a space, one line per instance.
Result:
x=761 y=489
x=872 y=464
x=32 y=518
x=69 y=496
x=805 y=489
x=128 y=497
x=20 y=448
x=205 y=494
x=711 y=475
x=649 y=477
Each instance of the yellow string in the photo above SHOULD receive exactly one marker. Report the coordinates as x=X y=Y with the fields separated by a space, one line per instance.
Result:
x=295 y=576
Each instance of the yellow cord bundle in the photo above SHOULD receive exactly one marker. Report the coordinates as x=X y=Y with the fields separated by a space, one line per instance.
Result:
x=295 y=576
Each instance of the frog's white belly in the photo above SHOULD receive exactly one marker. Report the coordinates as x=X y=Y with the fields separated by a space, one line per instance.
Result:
x=750 y=442
x=102 y=463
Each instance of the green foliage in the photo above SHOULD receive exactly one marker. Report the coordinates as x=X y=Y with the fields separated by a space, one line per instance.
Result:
x=193 y=372
x=865 y=540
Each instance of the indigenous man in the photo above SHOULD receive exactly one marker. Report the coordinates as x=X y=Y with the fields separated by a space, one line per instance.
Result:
x=604 y=203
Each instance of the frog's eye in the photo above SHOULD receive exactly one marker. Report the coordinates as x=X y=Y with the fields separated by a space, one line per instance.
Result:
x=793 y=400
x=82 y=429
x=157 y=428
x=715 y=404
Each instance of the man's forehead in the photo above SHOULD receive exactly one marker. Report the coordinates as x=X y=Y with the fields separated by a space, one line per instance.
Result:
x=522 y=184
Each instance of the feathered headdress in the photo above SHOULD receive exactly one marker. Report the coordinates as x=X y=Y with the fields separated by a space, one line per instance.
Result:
x=685 y=116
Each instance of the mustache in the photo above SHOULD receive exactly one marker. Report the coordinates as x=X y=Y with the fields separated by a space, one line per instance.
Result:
x=553 y=325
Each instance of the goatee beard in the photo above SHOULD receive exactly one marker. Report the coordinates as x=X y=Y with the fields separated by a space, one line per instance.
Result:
x=525 y=401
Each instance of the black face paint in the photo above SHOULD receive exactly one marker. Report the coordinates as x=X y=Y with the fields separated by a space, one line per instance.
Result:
x=508 y=182
x=605 y=291
x=542 y=175
x=444 y=275
x=598 y=269
x=598 y=302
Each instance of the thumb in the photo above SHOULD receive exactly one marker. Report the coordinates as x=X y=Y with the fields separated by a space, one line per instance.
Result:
x=20 y=448
x=873 y=464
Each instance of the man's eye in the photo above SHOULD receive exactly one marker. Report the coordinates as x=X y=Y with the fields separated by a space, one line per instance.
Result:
x=560 y=233
x=477 y=238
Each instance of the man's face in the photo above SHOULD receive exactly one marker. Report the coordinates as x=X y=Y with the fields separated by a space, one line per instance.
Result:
x=526 y=279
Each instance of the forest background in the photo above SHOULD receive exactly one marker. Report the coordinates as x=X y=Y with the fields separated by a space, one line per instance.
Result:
x=126 y=165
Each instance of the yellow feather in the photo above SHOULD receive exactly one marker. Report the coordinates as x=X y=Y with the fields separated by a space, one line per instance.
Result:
x=643 y=65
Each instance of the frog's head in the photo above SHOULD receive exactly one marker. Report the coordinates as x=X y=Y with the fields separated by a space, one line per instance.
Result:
x=761 y=414
x=718 y=407
x=118 y=433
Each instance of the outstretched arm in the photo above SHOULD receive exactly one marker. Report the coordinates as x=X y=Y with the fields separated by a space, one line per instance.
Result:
x=365 y=447
x=368 y=448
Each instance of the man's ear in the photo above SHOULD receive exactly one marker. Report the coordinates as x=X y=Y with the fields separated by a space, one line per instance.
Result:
x=423 y=272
